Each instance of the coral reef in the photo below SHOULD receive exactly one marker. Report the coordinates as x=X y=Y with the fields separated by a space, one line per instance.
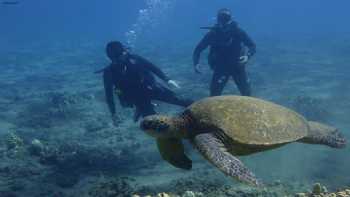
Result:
x=318 y=190
x=13 y=142
x=63 y=143
x=119 y=187
x=321 y=191
x=185 y=194
x=201 y=186
x=14 y=145
x=197 y=184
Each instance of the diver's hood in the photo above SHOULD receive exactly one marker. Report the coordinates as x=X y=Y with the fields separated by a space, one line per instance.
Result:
x=226 y=27
x=224 y=16
x=121 y=63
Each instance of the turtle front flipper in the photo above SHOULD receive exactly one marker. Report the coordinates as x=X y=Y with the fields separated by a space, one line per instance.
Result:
x=172 y=151
x=323 y=134
x=214 y=151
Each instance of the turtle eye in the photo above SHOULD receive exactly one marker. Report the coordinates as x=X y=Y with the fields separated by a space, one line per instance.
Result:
x=160 y=125
x=146 y=125
x=153 y=125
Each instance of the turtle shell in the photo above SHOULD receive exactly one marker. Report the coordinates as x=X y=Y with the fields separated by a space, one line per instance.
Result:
x=248 y=120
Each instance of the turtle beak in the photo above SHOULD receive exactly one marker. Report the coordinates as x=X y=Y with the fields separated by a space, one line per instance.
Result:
x=146 y=125
x=154 y=127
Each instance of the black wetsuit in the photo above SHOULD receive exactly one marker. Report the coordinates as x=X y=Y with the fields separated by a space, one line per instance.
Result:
x=133 y=80
x=225 y=51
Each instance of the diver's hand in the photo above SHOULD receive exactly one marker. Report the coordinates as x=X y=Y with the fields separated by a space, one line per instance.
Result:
x=197 y=68
x=137 y=115
x=173 y=83
x=243 y=59
x=115 y=120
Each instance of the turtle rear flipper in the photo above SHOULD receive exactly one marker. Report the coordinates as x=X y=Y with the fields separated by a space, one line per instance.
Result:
x=172 y=151
x=323 y=134
x=214 y=151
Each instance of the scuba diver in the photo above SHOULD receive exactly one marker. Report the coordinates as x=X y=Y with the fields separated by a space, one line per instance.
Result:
x=132 y=78
x=227 y=42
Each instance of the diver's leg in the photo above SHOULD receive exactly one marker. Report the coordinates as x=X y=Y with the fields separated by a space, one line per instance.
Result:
x=218 y=83
x=241 y=79
x=166 y=95
x=143 y=108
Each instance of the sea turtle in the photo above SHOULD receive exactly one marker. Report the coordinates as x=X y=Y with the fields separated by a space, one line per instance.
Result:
x=223 y=127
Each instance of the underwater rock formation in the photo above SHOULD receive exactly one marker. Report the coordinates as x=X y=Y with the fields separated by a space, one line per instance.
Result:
x=36 y=147
x=73 y=156
x=70 y=160
x=52 y=108
x=61 y=102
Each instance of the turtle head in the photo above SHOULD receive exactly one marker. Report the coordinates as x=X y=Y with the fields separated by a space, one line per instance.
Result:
x=159 y=126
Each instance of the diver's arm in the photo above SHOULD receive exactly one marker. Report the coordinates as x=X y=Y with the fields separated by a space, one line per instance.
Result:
x=247 y=41
x=154 y=69
x=202 y=45
x=108 y=86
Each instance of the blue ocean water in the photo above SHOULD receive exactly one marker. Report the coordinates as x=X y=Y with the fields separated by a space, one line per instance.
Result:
x=57 y=138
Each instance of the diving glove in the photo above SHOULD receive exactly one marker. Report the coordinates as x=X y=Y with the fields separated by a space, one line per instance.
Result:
x=173 y=83
x=116 y=120
x=243 y=59
x=197 y=68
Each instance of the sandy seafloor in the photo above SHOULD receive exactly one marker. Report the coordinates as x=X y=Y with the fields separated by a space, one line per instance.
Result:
x=57 y=138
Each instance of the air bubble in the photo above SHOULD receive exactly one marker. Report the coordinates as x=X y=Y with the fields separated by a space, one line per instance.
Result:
x=148 y=19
